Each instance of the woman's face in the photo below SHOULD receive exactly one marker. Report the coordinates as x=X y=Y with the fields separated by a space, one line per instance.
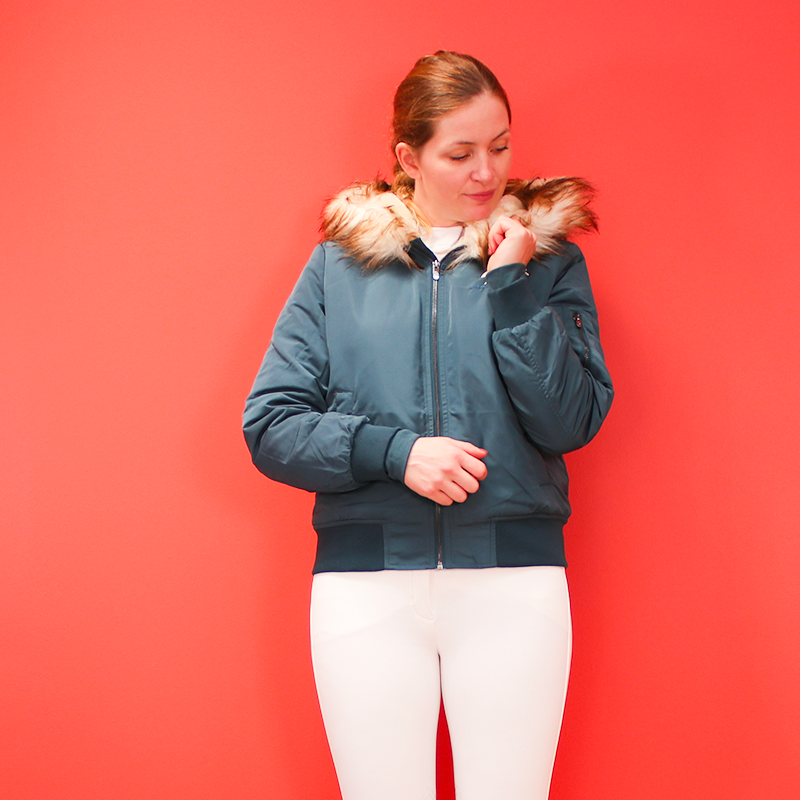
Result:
x=461 y=172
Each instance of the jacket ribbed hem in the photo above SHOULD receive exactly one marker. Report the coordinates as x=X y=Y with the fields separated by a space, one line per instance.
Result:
x=357 y=546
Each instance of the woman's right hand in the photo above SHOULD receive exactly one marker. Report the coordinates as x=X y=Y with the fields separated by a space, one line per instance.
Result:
x=444 y=470
x=510 y=242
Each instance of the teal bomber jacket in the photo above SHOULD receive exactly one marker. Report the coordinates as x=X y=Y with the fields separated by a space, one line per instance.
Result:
x=380 y=344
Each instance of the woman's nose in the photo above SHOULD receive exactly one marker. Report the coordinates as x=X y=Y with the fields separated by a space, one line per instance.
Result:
x=483 y=171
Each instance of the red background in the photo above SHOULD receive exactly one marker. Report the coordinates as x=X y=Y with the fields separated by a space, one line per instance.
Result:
x=163 y=167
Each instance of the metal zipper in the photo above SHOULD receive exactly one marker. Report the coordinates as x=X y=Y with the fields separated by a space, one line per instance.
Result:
x=437 y=409
x=579 y=325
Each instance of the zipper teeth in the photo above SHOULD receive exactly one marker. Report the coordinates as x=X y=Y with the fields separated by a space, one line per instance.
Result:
x=437 y=416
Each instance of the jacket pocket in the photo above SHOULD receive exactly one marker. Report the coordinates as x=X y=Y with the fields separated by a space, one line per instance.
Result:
x=576 y=318
x=575 y=324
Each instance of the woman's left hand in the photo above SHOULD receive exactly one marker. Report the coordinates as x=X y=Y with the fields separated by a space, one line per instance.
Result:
x=510 y=242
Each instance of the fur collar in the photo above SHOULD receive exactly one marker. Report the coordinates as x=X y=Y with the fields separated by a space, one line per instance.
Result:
x=374 y=226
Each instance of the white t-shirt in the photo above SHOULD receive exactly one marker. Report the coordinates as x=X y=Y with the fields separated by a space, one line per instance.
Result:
x=440 y=241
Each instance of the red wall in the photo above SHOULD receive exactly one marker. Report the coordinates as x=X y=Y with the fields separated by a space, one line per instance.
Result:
x=163 y=166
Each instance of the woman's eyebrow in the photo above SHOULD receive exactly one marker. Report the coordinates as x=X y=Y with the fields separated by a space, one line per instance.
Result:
x=507 y=130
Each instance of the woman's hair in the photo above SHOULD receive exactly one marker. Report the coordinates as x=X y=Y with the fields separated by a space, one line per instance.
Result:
x=435 y=86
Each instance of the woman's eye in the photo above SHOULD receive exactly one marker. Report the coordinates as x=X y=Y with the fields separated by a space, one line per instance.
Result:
x=500 y=149
x=458 y=158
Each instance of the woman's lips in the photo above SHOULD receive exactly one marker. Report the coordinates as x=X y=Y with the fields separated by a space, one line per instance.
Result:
x=481 y=197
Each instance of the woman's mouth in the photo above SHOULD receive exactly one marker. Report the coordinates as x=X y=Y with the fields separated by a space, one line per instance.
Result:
x=481 y=197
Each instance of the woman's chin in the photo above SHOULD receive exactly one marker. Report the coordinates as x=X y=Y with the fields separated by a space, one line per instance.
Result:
x=482 y=212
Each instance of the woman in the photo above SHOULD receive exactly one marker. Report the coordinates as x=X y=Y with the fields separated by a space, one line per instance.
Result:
x=437 y=357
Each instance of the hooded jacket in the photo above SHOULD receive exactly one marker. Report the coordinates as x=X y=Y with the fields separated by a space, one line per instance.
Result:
x=380 y=343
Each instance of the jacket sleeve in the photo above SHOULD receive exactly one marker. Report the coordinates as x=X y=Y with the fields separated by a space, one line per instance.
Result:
x=293 y=435
x=550 y=356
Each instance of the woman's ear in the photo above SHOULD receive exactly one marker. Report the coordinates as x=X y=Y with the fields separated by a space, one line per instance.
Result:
x=407 y=159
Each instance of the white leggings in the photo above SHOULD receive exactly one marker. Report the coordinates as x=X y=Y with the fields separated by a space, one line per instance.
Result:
x=495 y=644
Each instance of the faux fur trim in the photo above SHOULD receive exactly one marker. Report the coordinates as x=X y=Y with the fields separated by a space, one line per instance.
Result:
x=374 y=226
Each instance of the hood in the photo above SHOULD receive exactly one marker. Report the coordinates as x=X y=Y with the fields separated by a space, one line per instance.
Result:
x=374 y=226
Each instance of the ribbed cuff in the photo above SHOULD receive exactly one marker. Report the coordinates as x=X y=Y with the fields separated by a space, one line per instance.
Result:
x=398 y=452
x=368 y=458
x=510 y=296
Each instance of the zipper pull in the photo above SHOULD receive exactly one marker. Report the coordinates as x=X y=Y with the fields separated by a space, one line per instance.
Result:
x=435 y=269
x=579 y=325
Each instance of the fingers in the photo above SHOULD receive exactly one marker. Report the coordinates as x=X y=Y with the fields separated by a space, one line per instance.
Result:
x=499 y=230
x=466 y=482
x=468 y=447
x=449 y=494
x=445 y=470
x=495 y=237
x=471 y=461
x=510 y=242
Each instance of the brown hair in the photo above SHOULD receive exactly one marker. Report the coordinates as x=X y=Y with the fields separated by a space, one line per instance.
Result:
x=435 y=86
